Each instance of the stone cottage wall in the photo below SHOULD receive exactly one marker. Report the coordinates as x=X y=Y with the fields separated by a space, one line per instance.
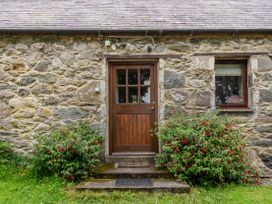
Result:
x=50 y=80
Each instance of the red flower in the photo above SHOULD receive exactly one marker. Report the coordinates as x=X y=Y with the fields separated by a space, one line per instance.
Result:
x=184 y=142
x=208 y=132
x=187 y=166
x=205 y=123
x=229 y=126
x=176 y=150
x=58 y=149
x=72 y=177
x=204 y=150
x=67 y=177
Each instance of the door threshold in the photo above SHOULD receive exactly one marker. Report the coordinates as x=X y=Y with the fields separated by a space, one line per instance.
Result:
x=133 y=154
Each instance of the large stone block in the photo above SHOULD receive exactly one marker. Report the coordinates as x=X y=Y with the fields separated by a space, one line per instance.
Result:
x=264 y=63
x=26 y=80
x=5 y=110
x=173 y=79
x=18 y=102
x=25 y=113
x=69 y=113
x=265 y=95
x=87 y=92
x=42 y=66
x=41 y=89
x=203 y=98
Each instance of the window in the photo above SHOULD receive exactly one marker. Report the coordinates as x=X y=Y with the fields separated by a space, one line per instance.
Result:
x=231 y=84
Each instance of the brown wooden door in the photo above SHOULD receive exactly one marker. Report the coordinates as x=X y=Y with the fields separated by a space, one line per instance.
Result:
x=133 y=107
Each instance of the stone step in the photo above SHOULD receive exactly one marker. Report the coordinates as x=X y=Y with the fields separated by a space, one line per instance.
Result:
x=141 y=172
x=168 y=185
x=131 y=161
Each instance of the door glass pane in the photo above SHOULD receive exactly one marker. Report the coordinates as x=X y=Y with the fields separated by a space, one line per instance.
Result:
x=145 y=94
x=121 y=95
x=121 y=76
x=133 y=94
x=145 y=76
x=132 y=76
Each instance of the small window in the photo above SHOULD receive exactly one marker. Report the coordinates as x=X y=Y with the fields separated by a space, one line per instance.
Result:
x=231 y=84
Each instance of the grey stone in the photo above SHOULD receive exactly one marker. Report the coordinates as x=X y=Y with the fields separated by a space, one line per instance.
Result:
x=179 y=47
x=23 y=92
x=8 y=86
x=173 y=80
x=179 y=96
x=38 y=46
x=267 y=77
x=264 y=63
x=41 y=89
x=51 y=100
x=57 y=63
x=69 y=113
x=267 y=159
x=79 y=46
x=264 y=128
x=58 y=47
x=42 y=66
x=21 y=46
x=26 y=80
x=24 y=113
x=5 y=110
x=262 y=143
x=48 y=78
x=203 y=98
x=265 y=95
x=6 y=94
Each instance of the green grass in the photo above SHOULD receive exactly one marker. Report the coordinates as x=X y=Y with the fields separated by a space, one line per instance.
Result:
x=18 y=186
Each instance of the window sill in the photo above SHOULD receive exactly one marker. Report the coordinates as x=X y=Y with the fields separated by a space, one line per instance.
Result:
x=236 y=110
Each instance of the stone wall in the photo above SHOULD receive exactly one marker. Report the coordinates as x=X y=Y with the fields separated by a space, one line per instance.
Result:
x=50 y=80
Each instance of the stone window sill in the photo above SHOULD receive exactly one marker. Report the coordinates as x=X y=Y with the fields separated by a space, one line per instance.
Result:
x=236 y=110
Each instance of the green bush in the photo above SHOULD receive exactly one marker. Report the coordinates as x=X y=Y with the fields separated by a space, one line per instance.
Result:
x=70 y=152
x=204 y=149
x=6 y=153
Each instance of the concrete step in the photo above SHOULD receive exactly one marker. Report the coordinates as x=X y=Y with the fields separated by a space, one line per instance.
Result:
x=131 y=161
x=141 y=172
x=168 y=185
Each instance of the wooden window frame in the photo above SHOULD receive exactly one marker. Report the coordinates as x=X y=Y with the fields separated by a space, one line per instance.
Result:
x=244 y=81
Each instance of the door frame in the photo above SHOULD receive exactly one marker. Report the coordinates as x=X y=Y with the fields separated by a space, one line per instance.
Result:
x=111 y=63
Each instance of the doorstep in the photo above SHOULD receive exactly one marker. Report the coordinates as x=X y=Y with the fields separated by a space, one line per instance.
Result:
x=167 y=185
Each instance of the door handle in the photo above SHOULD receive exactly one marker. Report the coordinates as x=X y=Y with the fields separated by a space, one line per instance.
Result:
x=151 y=108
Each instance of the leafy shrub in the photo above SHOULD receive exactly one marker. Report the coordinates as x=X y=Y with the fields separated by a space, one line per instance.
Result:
x=204 y=149
x=6 y=152
x=70 y=152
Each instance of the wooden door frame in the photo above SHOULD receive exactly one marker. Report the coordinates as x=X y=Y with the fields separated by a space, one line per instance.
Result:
x=152 y=62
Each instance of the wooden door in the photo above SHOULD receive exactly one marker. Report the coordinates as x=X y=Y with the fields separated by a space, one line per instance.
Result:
x=133 y=107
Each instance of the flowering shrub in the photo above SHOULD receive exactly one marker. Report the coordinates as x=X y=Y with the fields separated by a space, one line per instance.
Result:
x=204 y=149
x=71 y=152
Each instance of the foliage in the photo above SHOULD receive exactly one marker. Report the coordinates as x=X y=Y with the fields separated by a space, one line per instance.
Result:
x=70 y=152
x=19 y=186
x=204 y=149
x=5 y=152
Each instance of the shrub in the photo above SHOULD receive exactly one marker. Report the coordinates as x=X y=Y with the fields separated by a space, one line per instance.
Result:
x=204 y=149
x=6 y=153
x=70 y=152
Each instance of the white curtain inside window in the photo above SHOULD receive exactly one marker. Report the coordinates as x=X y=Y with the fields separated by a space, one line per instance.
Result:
x=228 y=70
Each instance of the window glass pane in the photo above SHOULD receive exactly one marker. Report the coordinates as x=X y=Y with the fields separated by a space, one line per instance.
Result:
x=145 y=76
x=133 y=94
x=145 y=94
x=229 y=90
x=228 y=84
x=121 y=94
x=121 y=76
x=132 y=76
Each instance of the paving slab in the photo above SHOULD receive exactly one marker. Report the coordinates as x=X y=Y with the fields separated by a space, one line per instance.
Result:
x=168 y=185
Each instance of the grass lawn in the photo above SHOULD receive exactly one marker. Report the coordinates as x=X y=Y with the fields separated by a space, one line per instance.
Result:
x=18 y=186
